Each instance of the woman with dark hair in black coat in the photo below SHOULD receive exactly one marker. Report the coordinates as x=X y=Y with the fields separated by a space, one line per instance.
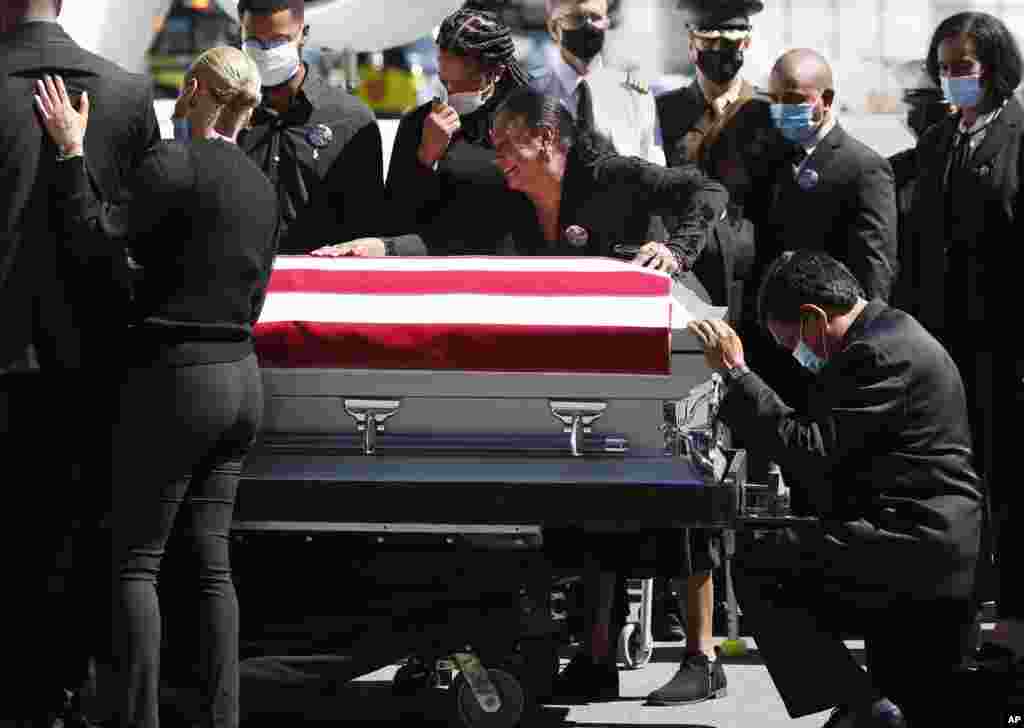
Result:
x=965 y=252
x=586 y=200
x=442 y=182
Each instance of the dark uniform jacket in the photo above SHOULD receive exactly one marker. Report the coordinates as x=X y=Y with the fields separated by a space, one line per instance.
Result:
x=324 y=157
x=48 y=300
x=963 y=258
x=743 y=158
x=611 y=200
x=464 y=207
x=884 y=454
x=846 y=207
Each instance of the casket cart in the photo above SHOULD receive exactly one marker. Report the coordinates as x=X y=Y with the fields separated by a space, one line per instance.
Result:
x=427 y=421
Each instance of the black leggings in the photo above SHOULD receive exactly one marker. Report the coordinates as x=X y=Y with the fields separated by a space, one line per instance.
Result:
x=178 y=449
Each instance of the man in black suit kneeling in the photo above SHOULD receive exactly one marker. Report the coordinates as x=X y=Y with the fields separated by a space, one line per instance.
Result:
x=883 y=457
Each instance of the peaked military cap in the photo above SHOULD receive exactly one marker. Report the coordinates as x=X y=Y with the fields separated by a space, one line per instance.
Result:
x=721 y=18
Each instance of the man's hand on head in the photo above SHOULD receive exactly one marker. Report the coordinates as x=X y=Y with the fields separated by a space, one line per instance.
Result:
x=723 y=349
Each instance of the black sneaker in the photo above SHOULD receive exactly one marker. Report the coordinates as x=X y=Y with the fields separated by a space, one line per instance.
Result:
x=697 y=679
x=584 y=680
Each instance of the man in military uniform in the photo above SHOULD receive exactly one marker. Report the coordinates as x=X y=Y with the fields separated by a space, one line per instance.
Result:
x=722 y=124
x=320 y=145
x=613 y=102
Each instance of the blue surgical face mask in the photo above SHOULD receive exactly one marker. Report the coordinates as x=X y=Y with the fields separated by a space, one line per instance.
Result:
x=806 y=356
x=795 y=121
x=963 y=91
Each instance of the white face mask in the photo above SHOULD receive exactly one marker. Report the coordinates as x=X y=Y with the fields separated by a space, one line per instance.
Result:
x=466 y=102
x=277 y=65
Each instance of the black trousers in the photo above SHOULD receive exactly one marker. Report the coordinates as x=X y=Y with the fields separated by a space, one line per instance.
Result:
x=179 y=446
x=800 y=597
x=54 y=441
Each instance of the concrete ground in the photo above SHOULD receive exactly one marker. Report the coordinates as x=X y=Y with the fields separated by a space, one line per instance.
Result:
x=309 y=691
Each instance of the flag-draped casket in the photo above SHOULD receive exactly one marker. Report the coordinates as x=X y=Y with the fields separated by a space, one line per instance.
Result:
x=548 y=369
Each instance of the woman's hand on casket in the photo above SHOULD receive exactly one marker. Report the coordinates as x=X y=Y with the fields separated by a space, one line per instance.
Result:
x=65 y=124
x=723 y=349
x=657 y=256
x=358 y=248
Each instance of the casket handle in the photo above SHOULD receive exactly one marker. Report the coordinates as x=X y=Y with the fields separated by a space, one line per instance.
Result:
x=577 y=418
x=370 y=415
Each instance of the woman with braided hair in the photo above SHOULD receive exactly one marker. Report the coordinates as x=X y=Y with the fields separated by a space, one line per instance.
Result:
x=203 y=223
x=443 y=183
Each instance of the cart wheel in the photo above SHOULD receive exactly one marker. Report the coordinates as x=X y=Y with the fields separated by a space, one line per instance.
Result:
x=733 y=648
x=632 y=651
x=471 y=715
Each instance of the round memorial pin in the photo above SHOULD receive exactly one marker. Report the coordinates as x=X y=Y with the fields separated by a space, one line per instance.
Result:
x=319 y=136
x=576 y=236
x=808 y=178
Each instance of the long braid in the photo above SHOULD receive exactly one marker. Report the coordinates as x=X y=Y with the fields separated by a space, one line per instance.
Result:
x=475 y=31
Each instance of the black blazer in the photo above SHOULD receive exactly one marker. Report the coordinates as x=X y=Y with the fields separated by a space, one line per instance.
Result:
x=48 y=300
x=884 y=454
x=612 y=200
x=850 y=213
x=464 y=207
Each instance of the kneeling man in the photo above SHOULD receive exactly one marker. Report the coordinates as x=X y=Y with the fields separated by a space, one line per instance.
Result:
x=884 y=456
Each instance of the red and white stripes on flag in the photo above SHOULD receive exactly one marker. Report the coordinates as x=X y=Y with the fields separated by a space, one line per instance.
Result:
x=462 y=313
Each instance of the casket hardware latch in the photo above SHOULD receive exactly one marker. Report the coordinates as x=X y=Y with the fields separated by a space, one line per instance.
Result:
x=370 y=415
x=577 y=418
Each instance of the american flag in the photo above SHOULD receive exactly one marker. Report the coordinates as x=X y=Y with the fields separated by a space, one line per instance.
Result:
x=465 y=313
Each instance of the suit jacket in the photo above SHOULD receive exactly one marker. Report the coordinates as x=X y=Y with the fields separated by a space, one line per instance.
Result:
x=623 y=109
x=743 y=158
x=50 y=300
x=611 y=200
x=846 y=207
x=884 y=453
x=462 y=207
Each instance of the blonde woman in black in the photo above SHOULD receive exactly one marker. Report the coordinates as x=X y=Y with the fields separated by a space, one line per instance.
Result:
x=203 y=225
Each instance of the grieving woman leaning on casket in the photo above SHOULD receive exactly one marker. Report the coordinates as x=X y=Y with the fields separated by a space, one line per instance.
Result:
x=203 y=223
x=587 y=200
x=442 y=183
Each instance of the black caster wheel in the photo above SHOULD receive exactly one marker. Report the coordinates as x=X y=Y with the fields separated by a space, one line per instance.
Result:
x=468 y=712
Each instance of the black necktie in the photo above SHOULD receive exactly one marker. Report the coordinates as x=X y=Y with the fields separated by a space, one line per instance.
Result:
x=585 y=107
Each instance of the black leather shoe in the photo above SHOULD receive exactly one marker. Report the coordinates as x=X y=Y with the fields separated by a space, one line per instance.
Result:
x=584 y=680
x=880 y=714
x=697 y=679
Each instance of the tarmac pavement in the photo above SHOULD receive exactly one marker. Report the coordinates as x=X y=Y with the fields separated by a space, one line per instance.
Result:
x=314 y=692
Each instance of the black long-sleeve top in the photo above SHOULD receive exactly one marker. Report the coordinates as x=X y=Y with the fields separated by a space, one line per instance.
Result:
x=613 y=198
x=461 y=207
x=203 y=224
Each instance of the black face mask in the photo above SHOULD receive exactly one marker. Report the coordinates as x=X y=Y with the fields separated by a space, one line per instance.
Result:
x=720 y=66
x=584 y=42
